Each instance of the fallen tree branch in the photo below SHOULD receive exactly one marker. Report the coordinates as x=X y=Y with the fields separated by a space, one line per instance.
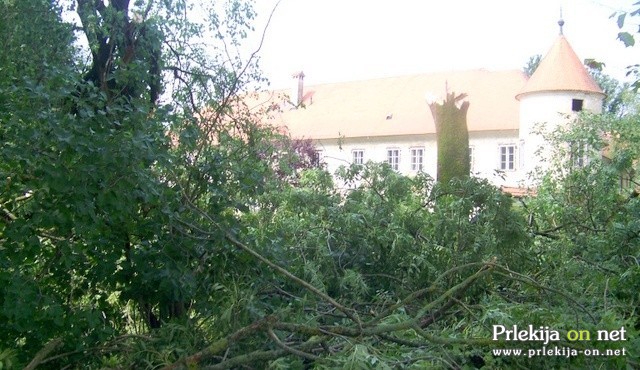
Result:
x=247 y=359
x=387 y=328
x=527 y=280
x=8 y=215
x=431 y=318
x=320 y=334
x=220 y=345
x=352 y=314
x=40 y=356
x=348 y=312
x=255 y=356
x=451 y=341
x=420 y=293
x=291 y=350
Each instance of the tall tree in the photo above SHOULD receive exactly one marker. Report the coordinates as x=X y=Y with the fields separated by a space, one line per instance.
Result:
x=95 y=167
x=123 y=42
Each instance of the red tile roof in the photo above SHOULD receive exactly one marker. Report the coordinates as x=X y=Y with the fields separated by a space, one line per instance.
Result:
x=560 y=70
x=519 y=192
x=397 y=105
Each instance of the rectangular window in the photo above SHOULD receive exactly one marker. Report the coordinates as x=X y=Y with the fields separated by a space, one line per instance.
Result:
x=358 y=156
x=578 y=154
x=393 y=158
x=508 y=157
x=576 y=105
x=318 y=158
x=626 y=180
x=417 y=159
x=471 y=158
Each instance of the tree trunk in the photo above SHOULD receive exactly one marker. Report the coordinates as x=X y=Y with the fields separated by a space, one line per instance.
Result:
x=452 y=137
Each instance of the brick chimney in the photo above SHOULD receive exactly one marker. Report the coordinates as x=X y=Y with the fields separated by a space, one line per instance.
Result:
x=298 y=91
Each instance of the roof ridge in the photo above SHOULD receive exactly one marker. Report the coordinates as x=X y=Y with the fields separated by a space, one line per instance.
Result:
x=409 y=75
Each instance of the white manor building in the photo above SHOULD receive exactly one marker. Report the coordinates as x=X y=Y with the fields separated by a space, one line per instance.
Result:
x=389 y=120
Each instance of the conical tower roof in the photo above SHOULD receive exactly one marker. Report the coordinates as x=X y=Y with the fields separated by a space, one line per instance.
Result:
x=560 y=70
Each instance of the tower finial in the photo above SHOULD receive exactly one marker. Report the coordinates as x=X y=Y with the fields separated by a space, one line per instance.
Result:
x=561 y=22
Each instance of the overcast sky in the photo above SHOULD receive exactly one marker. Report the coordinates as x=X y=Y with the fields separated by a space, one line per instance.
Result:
x=344 y=40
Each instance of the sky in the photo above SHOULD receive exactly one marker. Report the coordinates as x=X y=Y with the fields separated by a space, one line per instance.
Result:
x=347 y=40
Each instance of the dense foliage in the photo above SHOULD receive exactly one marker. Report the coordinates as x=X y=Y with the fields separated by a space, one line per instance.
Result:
x=149 y=220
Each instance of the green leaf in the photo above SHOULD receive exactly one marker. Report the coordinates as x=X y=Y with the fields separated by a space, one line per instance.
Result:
x=626 y=38
x=621 y=18
x=594 y=64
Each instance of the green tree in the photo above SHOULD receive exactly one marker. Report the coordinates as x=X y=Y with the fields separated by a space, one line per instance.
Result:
x=587 y=213
x=92 y=181
x=532 y=64
x=20 y=59
x=619 y=99
x=149 y=220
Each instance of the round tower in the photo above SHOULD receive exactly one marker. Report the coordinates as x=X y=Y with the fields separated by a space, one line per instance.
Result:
x=558 y=89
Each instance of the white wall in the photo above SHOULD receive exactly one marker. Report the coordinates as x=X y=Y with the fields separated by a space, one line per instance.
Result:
x=552 y=108
x=339 y=152
x=485 y=146
x=549 y=109
x=486 y=159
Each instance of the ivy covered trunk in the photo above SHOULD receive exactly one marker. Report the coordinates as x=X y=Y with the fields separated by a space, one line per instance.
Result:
x=452 y=135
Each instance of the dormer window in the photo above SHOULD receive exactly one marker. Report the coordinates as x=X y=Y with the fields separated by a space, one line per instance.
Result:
x=576 y=105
